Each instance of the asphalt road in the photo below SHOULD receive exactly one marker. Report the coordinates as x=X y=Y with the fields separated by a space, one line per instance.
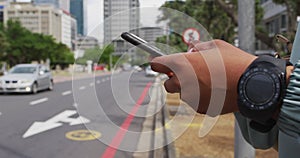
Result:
x=36 y=126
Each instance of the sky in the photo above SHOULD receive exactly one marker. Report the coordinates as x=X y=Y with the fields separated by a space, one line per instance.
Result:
x=95 y=15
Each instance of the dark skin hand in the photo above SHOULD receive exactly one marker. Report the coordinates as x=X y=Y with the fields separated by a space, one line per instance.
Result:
x=218 y=55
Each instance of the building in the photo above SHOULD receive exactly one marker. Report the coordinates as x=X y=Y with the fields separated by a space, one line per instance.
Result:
x=275 y=20
x=73 y=32
x=120 y=16
x=83 y=43
x=150 y=34
x=275 y=17
x=61 y=4
x=78 y=10
x=55 y=3
x=66 y=29
x=86 y=42
x=44 y=19
x=2 y=6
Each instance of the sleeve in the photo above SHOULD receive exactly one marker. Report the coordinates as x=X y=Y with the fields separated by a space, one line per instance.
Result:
x=259 y=140
x=289 y=117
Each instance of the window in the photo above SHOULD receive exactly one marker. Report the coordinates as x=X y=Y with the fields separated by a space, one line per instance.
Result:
x=283 y=21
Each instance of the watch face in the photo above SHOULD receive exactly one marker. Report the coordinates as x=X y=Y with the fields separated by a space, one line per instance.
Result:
x=260 y=88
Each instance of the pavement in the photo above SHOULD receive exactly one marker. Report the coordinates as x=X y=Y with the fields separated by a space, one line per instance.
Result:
x=61 y=76
x=219 y=143
x=183 y=143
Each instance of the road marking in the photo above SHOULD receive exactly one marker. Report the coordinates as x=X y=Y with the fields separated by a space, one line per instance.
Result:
x=91 y=84
x=66 y=93
x=54 y=122
x=98 y=82
x=103 y=80
x=38 y=101
x=82 y=88
x=83 y=135
x=75 y=105
x=0 y=113
x=110 y=151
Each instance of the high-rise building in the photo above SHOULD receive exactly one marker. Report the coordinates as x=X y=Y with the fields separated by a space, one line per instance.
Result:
x=43 y=19
x=61 y=4
x=120 y=16
x=78 y=10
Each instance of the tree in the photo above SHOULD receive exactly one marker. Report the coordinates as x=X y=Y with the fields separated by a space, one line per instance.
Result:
x=219 y=17
x=98 y=55
x=25 y=46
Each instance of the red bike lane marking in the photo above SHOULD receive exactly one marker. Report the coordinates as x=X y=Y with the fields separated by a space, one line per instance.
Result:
x=110 y=151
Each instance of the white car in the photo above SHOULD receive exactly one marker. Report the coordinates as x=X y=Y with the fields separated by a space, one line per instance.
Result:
x=29 y=78
x=150 y=72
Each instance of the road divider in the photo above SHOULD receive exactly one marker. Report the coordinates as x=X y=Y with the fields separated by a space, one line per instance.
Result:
x=38 y=101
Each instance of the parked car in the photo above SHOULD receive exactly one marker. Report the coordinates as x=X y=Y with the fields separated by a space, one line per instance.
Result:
x=150 y=72
x=29 y=78
x=99 y=67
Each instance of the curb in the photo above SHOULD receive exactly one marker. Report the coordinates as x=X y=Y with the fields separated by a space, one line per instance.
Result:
x=155 y=124
x=58 y=79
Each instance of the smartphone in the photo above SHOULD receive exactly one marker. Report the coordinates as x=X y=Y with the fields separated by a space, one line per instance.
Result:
x=141 y=43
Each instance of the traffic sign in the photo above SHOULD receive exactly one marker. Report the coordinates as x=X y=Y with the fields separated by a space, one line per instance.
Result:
x=190 y=35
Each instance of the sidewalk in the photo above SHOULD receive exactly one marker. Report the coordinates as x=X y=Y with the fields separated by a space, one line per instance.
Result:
x=219 y=143
x=62 y=76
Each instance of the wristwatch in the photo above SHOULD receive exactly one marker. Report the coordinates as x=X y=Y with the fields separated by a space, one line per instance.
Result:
x=261 y=89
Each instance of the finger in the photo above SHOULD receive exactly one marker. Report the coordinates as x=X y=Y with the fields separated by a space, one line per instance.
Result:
x=172 y=85
x=159 y=64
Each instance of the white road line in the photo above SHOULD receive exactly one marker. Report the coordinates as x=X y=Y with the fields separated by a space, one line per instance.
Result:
x=91 y=84
x=75 y=105
x=66 y=93
x=82 y=88
x=103 y=80
x=38 y=101
x=0 y=113
x=98 y=82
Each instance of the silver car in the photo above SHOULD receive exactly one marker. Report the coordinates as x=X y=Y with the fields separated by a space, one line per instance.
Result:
x=29 y=78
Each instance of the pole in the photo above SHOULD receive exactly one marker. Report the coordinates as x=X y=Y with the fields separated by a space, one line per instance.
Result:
x=110 y=62
x=246 y=36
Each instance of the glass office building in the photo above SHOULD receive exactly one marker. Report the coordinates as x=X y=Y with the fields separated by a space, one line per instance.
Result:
x=77 y=9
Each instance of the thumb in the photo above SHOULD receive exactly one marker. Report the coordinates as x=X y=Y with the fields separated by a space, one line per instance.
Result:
x=159 y=64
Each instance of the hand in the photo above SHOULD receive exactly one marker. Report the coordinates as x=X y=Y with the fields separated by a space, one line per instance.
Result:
x=206 y=79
